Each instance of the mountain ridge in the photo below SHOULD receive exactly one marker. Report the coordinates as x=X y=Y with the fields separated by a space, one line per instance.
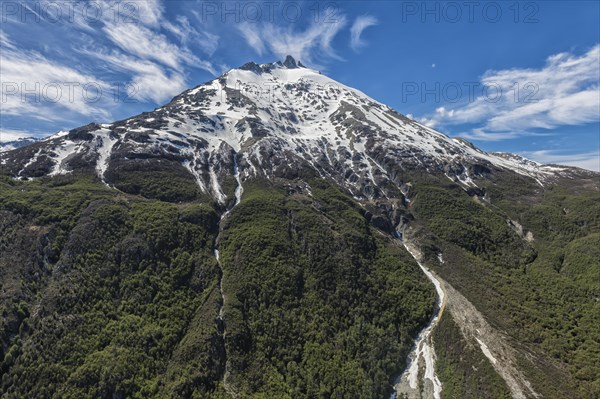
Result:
x=258 y=112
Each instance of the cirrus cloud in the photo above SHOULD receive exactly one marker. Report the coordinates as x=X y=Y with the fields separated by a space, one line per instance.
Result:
x=565 y=92
x=360 y=24
x=587 y=160
x=306 y=45
x=45 y=89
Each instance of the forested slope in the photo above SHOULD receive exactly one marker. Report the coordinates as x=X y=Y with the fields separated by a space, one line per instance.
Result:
x=528 y=258
x=106 y=294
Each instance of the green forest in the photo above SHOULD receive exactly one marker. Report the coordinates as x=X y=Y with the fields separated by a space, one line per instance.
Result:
x=542 y=291
x=107 y=294
x=113 y=294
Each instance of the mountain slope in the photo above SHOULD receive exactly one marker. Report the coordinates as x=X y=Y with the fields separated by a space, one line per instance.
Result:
x=244 y=240
x=274 y=119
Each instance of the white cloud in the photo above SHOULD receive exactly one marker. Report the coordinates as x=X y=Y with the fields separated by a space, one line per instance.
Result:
x=563 y=92
x=13 y=135
x=251 y=33
x=442 y=111
x=148 y=12
x=5 y=42
x=587 y=160
x=155 y=64
x=186 y=33
x=41 y=88
x=128 y=41
x=360 y=24
x=150 y=45
x=150 y=81
x=487 y=135
x=307 y=45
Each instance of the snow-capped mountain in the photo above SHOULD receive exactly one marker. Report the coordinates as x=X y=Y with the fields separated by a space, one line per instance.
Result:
x=18 y=143
x=273 y=224
x=275 y=120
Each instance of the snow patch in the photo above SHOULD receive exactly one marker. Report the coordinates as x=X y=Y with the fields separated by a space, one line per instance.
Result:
x=104 y=150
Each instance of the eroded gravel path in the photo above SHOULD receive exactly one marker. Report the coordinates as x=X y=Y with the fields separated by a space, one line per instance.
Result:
x=419 y=380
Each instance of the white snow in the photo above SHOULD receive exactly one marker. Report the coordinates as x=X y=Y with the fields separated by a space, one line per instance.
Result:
x=190 y=165
x=216 y=187
x=59 y=134
x=106 y=144
x=30 y=162
x=61 y=152
x=239 y=190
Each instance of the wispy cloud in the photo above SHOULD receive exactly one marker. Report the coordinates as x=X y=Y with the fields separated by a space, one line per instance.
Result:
x=140 y=33
x=133 y=42
x=5 y=42
x=586 y=160
x=148 y=12
x=306 y=45
x=186 y=33
x=13 y=135
x=142 y=37
x=566 y=91
x=155 y=64
x=482 y=134
x=252 y=35
x=360 y=24
x=150 y=82
x=41 y=88
x=149 y=45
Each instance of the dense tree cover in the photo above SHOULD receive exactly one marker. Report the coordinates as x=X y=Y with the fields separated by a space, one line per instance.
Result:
x=318 y=305
x=128 y=278
x=457 y=360
x=454 y=217
x=545 y=294
x=157 y=178
x=112 y=295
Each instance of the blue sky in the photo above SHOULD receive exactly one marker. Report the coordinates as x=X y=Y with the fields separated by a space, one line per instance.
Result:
x=510 y=76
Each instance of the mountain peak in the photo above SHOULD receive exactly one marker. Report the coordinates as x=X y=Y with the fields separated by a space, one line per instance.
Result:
x=290 y=62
